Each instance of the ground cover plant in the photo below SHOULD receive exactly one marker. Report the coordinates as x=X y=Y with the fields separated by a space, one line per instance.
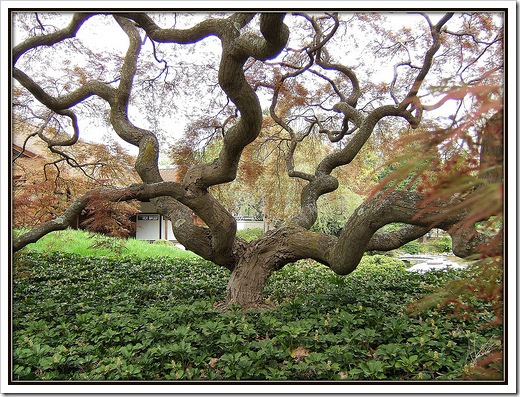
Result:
x=101 y=318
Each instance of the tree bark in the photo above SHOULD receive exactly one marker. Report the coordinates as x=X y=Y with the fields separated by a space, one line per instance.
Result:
x=259 y=259
x=248 y=279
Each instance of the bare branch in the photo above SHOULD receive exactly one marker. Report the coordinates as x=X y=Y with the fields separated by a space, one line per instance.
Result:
x=103 y=90
x=52 y=38
x=435 y=30
x=37 y=132
x=39 y=22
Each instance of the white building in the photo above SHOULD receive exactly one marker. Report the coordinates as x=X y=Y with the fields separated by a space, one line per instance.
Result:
x=152 y=226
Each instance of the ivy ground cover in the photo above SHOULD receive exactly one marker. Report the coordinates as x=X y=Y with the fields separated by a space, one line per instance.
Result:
x=86 y=318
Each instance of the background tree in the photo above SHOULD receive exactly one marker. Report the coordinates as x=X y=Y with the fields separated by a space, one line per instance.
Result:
x=348 y=81
x=263 y=187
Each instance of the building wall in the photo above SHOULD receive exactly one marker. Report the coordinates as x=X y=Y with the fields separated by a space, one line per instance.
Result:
x=241 y=225
x=148 y=227
x=152 y=226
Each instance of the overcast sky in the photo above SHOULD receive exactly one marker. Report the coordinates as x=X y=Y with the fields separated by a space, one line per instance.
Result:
x=102 y=34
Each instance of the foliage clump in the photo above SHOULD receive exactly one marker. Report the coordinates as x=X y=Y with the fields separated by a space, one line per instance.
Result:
x=250 y=234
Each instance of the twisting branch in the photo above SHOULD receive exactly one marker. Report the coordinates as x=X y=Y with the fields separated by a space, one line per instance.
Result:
x=320 y=41
x=236 y=49
x=365 y=126
x=206 y=28
x=411 y=98
x=349 y=114
x=68 y=142
x=394 y=79
x=103 y=90
x=290 y=156
x=359 y=233
x=294 y=139
x=52 y=38
x=142 y=191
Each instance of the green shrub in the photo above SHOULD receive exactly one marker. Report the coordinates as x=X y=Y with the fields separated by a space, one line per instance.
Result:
x=443 y=244
x=250 y=234
x=412 y=248
x=380 y=263
x=438 y=245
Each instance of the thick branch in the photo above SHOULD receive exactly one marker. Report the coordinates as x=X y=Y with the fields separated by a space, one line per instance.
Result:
x=359 y=233
x=60 y=223
x=166 y=191
x=359 y=137
x=492 y=149
x=246 y=130
x=147 y=159
x=321 y=185
x=204 y=29
x=275 y=35
x=67 y=101
x=232 y=81
x=386 y=241
x=49 y=39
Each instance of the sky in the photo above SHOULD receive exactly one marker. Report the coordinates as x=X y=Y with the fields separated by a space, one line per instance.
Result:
x=94 y=34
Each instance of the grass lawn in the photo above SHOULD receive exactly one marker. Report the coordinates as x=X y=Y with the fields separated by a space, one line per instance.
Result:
x=97 y=245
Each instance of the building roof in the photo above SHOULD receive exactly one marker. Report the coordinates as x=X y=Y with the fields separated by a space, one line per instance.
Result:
x=19 y=151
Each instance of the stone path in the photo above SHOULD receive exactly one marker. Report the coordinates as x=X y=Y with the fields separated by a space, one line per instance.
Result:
x=426 y=263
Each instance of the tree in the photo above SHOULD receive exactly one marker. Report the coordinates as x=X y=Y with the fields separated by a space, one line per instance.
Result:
x=47 y=179
x=326 y=82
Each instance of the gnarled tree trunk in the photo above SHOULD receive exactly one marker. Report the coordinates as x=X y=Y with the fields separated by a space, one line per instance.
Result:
x=248 y=279
x=260 y=258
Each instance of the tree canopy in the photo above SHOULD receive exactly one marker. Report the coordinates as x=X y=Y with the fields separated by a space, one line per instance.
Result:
x=321 y=96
